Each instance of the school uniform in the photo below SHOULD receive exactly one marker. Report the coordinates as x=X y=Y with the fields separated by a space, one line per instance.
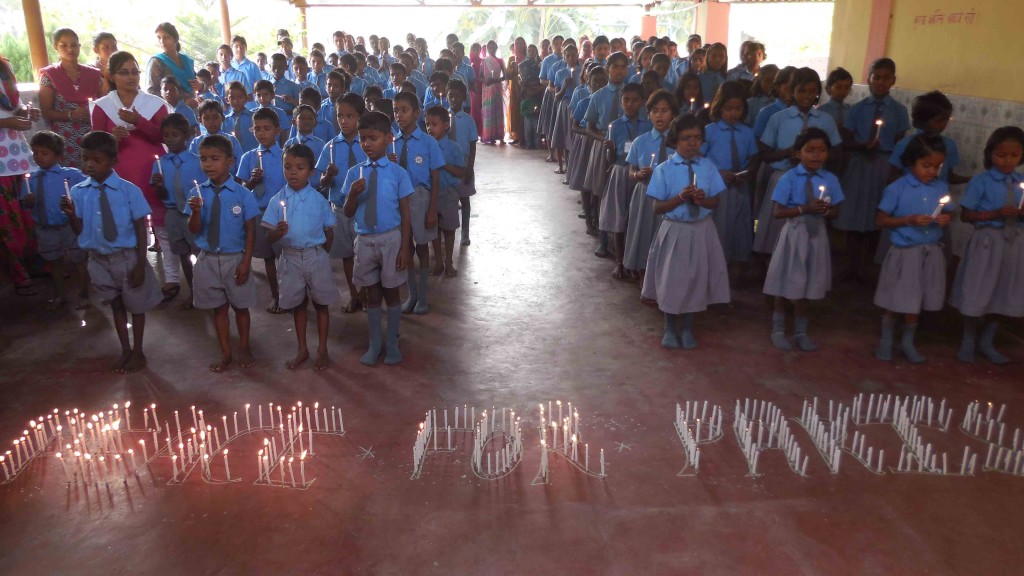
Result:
x=303 y=268
x=54 y=235
x=565 y=78
x=249 y=69
x=236 y=147
x=285 y=87
x=709 y=83
x=188 y=113
x=234 y=75
x=740 y=72
x=462 y=130
x=379 y=236
x=837 y=110
x=319 y=81
x=615 y=200
x=273 y=181
x=547 y=105
x=324 y=132
x=420 y=155
x=801 y=265
x=221 y=240
x=766 y=113
x=579 y=150
x=868 y=172
x=180 y=172
x=686 y=270
x=754 y=106
x=913 y=276
x=990 y=279
x=283 y=118
x=108 y=211
x=217 y=95
x=780 y=133
x=448 y=198
x=239 y=125
x=344 y=155
x=648 y=151
x=316 y=145
x=605 y=106
x=732 y=218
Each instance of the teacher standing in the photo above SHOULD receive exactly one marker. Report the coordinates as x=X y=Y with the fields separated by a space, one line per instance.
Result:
x=65 y=89
x=171 y=62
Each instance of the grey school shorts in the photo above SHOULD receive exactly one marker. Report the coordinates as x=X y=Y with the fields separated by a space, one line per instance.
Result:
x=344 y=235
x=262 y=248
x=214 y=283
x=377 y=260
x=302 y=271
x=111 y=277
x=183 y=241
x=55 y=241
x=448 y=216
x=419 y=202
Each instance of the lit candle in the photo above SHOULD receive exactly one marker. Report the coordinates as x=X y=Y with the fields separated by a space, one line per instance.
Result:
x=331 y=155
x=821 y=192
x=198 y=193
x=227 y=469
x=156 y=420
x=938 y=209
x=692 y=101
x=259 y=158
x=1020 y=205
x=145 y=454
x=284 y=212
x=602 y=461
x=67 y=188
x=159 y=166
x=878 y=128
x=280 y=468
x=316 y=415
x=291 y=470
x=302 y=468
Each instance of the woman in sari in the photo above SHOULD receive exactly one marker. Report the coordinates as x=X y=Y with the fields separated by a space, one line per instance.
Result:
x=515 y=96
x=65 y=89
x=492 y=108
x=171 y=62
x=476 y=102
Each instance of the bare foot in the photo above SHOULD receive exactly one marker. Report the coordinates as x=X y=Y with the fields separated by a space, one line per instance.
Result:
x=187 y=304
x=245 y=358
x=437 y=270
x=648 y=301
x=221 y=364
x=618 y=272
x=298 y=360
x=450 y=271
x=136 y=362
x=118 y=365
x=322 y=361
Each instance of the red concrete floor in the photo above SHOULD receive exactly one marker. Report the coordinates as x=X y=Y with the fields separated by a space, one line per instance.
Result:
x=532 y=317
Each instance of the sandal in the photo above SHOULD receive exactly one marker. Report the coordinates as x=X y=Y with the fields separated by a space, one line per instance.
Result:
x=170 y=292
x=352 y=306
x=275 y=309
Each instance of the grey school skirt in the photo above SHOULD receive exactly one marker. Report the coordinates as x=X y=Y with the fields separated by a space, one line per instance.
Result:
x=595 y=176
x=801 y=267
x=615 y=201
x=686 y=270
x=544 y=117
x=974 y=289
x=768 y=226
x=1009 y=294
x=913 y=278
x=642 y=225
x=863 y=183
x=733 y=222
x=577 y=166
x=560 y=132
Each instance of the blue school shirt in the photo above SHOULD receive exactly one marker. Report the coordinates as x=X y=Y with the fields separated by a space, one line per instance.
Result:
x=237 y=206
x=285 y=87
x=754 y=106
x=766 y=113
x=717 y=145
x=785 y=126
x=236 y=148
x=127 y=204
x=600 y=110
x=672 y=175
x=581 y=108
x=791 y=192
x=908 y=196
x=341 y=147
x=465 y=131
x=308 y=215
x=429 y=99
x=323 y=130
x=581 y=92
x=987 y=192
x=709 y=83
x=249 y=69
x=563 y=75
x=283 y=120
x=358 y=85
x=837 y=110
x=623 y=132
x=188 y=164
x=427 y=65
x=952 y=154
x=318 y=80
x=239 y=125
x=636 y=78
x=679 y=67
x=316 y=145
x=861 y=120
x=52 y=180
x=215 y=96
x=453 y=156
x=273 y=171
x=647 y=144
x=555 y=69
x=393 y=184
x=739 y=72
x=423 y=157
x=234 y=75
x=467 y=72
x=328 y=113
x=546 y=64
x=188 y=113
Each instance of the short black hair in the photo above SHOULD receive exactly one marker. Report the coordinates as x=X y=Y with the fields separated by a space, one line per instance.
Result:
x=210 y=106
x=386 y=106
x=600 y=40
x=928 y=106
x=806 y=76
x=680 y=123
x=439 y=112
x=838 y=75
x=883 y=64
x=399 y=67
x=203 y=73
x=311 y=94
x=921 y=146
x=177 y=122
x=49 y=140
x=241 y=40
x=278 y=58
x=266 y=114
x=373 y=91
x=618 y=58
x=236 y=85
x=457 y=86
x=633 y=89
x=440 y=77
x=171 y=80
x=220 y=142
x=337 y=74
x=263 y=85
x=102 y=142
x=348 y=61
x=809 y=135
x=729 y=90
x=1000 y=135
x=661 y=57
x=300 y=151
x=303 y=108
x=375 y=121
x=409 y=98
x=299 y=59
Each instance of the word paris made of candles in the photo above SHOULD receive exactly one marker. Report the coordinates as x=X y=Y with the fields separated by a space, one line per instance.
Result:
x=572 y=438
x=694 y=428
x=772 y=434
x=1005 y=458
x=91 y=448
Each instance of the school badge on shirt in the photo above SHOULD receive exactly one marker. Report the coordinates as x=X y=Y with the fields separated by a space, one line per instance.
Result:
x=236 y=209
x=419 y=159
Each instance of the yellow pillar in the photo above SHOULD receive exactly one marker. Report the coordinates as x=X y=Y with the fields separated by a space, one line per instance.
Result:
x=225 y=23
x=648 y=26
x=713 y=22
x=305 y=29
x=36 y=36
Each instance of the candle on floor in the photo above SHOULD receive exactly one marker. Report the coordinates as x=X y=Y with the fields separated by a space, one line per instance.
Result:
x=227 y=469
x=291 y=470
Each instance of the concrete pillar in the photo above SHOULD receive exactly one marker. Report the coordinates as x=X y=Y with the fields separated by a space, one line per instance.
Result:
x=713 y=22
x=36 y=37
x=648 y=26
x=305 y=29
x=878 y=34
x=225 y=23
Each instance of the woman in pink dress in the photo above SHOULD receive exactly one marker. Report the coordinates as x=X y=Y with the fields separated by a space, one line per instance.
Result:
x=475 y=105
x=65 y=89
x=493 y=107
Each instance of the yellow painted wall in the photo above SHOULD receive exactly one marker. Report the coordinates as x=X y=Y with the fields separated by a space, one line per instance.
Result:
x=978 y=52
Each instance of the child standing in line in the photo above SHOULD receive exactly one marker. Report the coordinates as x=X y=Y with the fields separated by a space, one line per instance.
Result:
x=337 y=158
x=173 y=174
x=579 y=154
x=265 y=99
x=378 y=203
x=913 y=275
x=109 y=215
x=172 y=94
x=715 y=73
x=261 y=171
x=304 y=121
x=335 y=89
x=300 y=220
x=801 y=265
x=211 y=114
x=761 y=93
x=239 y=120
x=686 y=269
x=463 y=132
x=615 y=207
x=566 y=80
x=222 y=216
x=837 y=86
x=529 y=107
x=285 y=92
x=422 y=157
x=990 y=279
x=42 y=194
x=605 y=106
x=438 y=125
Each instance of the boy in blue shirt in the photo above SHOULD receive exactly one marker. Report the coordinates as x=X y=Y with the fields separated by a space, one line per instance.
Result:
x=300 y=71
x=222 y=216
x=173 y=174
x=463 y=131
x=378 y=202
x=260 y=170
x=286 y=92
x=304 y=123
x=171 y=93
x=212 y=116
x=438 y=124
x=420 y=155
x=210 y=86
x=265 y=99
x=336 y=86
x=238 y=121
x=109 y=216
x=317 y=76
x=322 y=129
x=300 y=221
x=42 y=194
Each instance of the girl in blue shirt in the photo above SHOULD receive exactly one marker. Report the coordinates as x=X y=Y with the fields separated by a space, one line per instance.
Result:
x=686 y=267
x=761 y=93
x=689 y=94
x=714 y=75
x=913 y=276
x=801 y=267
x=577 y=139
x=566 y=81
x=990 y=278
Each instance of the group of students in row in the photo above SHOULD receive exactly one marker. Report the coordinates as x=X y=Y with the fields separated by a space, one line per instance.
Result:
x=673 y=182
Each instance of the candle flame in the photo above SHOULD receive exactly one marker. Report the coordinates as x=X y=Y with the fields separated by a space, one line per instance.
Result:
x=944 y=200
x=878 y=122
x=282 y=203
